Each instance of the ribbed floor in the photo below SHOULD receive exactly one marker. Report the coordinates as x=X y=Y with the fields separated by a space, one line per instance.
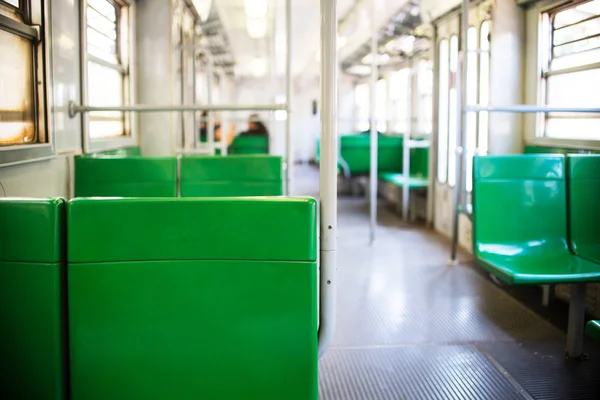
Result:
x=411 y=327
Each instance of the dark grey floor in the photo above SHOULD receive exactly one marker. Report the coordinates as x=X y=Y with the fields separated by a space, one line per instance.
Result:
x=411 y=327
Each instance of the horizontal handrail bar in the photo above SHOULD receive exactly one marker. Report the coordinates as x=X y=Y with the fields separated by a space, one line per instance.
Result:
x=522 y=108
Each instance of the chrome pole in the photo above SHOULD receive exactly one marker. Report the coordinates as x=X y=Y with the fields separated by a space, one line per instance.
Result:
x=374 y=139
x=288 y=98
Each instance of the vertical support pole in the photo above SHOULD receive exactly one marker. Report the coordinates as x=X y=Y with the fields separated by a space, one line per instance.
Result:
x=433 y=147
x=328 y=173
x=576 y=320
x=196 y=133
x=210 y=124
x=406 y=145
x=374 y=141
x=461 y=94
x=289 y=145
x=184 y=144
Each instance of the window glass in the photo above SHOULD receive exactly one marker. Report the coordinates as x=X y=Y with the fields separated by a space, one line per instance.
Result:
x=361 y=100
x=444 y=86
x=105 y=73
x=13 y=2
x=472 y=75
x=425 y=100
x=381 y=105
x=484 y=86
x=16 y=92
x=575 y=42
x=452 y=111
x=399 y=91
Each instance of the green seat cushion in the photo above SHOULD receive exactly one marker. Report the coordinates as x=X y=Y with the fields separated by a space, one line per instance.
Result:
x=584 y=192
x=592 y=329
x=32 y=340
x=520 y=221
x=398 y=180
x=109 y=176
x=231 y=176
x=135 y=229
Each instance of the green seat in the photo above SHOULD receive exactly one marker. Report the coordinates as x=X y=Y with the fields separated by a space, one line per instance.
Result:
x=584 y=214
x=592 y=329
x=109 y=176
x=398 y=180
x=32 y=339
x=249 y=145
x=231 y=176
x=520 y=221
x=193 y=298
x=355 y=150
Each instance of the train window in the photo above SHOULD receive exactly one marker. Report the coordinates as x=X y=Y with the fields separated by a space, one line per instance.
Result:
x=471 y=139
x=399 y=81
x=484 y=86
x=361 y=101
x=381 y=105
x=572 y=76
x=425 y=101
x=21 y=101
x=452 y=111
x=444 y=86
x=106 y=69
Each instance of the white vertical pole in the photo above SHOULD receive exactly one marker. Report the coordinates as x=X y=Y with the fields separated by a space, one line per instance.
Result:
x=210 y=124
x=288 y=97
x=196 y=132
x=372 y=106
x=406 y=144
x=328 y=173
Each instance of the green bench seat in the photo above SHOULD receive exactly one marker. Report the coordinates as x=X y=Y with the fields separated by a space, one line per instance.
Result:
x=32 y=267
x=520 y=221
x=584 y=192
x=193 y=298
x=249 y=145
x=231 y=176
x=592 y=329
x=114 y=176
x=397 y=179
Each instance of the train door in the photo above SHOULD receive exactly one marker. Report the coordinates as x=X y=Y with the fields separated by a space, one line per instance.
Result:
x=478 y=78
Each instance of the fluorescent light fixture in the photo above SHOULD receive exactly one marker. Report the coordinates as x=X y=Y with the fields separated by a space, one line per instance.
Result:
x=381 y=59
x=257 y=27
x=256 y=8
x=203 y=8
x=259 y=67
x=280 y=115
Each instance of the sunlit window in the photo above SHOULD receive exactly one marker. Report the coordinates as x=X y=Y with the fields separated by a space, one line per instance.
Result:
x=425 y=97
x=106 y=28
x=484 y=86
x=452 y=111
x=472 y=73
x=21 y=106
x=381 y=105
x=399 y=92
x=361 y=101
x=444 y=87
x=572 y=76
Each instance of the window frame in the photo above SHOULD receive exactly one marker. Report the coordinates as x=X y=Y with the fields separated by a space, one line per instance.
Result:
x=129 y=138
x=35 y=14
x=545 y=57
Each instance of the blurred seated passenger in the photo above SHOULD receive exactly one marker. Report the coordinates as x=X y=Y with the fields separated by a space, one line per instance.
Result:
x=255 y=127
x=217 y=126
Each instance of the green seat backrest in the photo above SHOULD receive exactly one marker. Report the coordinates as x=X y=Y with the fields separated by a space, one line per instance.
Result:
x=231 y=176
x=249 y=145
x=107 y=176
x=32 y=340
x=584 y=214
x=355 y=150
x=519 y=204
x=419 y=162
x=193 y=298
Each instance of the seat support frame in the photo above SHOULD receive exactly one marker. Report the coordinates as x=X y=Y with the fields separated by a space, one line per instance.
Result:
x=576 y=328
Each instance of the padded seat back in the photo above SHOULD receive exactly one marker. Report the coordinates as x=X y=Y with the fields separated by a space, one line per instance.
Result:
x=110 y=176
x=249 y=145
x=193 y=298
x=584 y=214
x=231 y=176
x=519 y=204
x=32 y=340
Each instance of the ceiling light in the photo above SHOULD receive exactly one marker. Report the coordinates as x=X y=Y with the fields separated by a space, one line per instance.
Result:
x=257 y=27
x=362 y=70
x=256 y=8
